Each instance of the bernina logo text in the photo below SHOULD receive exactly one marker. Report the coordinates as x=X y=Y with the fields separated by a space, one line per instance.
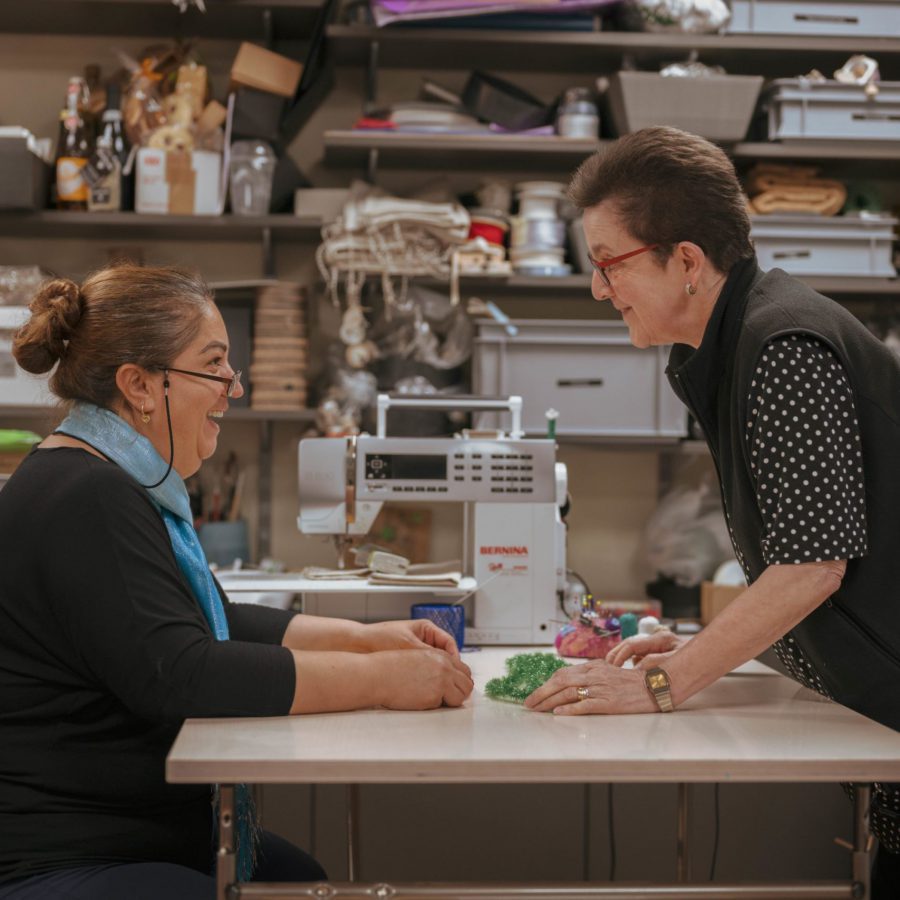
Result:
x=504 y=551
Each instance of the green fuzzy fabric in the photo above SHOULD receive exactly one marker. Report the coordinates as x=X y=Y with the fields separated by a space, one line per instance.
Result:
x=527 y=672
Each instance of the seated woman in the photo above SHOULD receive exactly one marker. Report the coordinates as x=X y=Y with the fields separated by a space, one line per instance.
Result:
x=112 y=628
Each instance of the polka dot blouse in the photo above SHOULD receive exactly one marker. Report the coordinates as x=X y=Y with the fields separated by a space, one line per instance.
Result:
x=805 y=454
x=806 y=460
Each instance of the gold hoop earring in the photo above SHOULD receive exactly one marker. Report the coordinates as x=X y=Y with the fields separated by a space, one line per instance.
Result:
x=144 y=417
x=690 y=289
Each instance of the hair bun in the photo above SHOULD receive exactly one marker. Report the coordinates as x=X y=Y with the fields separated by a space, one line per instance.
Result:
x=55 y=312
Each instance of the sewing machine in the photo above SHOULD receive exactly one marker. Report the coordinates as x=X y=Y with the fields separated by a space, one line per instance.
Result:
x=511 y=490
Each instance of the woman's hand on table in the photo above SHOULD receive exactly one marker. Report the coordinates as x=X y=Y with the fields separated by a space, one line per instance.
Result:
x=591 y=688
x=645 y=650
x=408 y=634
x=421 y=679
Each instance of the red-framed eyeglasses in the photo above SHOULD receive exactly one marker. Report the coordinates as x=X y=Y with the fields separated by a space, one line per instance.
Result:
x=601 y=265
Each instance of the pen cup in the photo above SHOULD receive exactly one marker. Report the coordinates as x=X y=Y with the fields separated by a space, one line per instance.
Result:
x=224 y=542
x=452 y=618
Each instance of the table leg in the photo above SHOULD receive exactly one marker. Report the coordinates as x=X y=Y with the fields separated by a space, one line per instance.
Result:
x=225 y=855
x=682 y=861
x=862 y=839
x=352 y=832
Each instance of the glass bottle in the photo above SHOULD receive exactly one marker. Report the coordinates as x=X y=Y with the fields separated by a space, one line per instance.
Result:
x=73 y=150
x=110 y=189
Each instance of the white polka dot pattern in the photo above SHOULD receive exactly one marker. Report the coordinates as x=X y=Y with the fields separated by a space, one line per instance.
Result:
x=806 y=457
x=884 y=814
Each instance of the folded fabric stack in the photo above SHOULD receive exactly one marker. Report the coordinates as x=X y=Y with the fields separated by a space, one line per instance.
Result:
x=793 y=189
x=280 y=347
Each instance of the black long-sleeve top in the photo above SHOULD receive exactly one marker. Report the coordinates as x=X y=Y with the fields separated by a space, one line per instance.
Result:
x=104 y=652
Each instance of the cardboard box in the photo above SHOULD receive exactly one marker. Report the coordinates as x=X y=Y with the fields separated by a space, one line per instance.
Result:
x=178 y=183
x=256 y=67
x=715 y=597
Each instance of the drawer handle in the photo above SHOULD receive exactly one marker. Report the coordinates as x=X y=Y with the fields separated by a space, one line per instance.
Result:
x=876 y=117
x=579 y=382
x=791 y=254
x=831 y=20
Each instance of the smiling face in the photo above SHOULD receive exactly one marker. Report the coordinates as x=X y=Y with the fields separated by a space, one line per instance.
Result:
x=195 y=403
x=651 y=296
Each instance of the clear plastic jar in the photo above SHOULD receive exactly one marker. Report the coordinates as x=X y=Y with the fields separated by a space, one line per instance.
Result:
x=252 y=169
x=577 y=114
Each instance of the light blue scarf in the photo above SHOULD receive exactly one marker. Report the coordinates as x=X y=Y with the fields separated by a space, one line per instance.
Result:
x=119 y=442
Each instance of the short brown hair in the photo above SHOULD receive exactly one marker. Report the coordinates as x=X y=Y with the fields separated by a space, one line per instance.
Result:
x=670 y=186
x=121 y=314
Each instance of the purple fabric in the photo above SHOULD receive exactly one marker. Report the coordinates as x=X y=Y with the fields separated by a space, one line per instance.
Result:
x=387 y=11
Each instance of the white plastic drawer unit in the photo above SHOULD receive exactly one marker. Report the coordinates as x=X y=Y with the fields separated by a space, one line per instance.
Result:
x=800 y=109
x=18 y=387
x=851 y=18
x=823 y=245
x=588 y=371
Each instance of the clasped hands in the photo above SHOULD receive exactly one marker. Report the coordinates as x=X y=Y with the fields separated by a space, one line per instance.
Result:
x=602 y=685
x=432 y=674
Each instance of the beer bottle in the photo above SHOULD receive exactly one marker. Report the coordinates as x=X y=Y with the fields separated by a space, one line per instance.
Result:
x=109 y=188
x=73 y=150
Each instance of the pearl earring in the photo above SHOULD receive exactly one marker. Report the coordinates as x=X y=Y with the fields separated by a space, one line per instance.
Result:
x=690 y=289
x=144 y=417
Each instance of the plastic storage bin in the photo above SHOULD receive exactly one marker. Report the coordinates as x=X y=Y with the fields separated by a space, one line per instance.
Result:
x=718 y=107
x=24 y=176
x=813 y=245
x=850 y=18
x=828 y=110
x=18 y=387
x=588 y=371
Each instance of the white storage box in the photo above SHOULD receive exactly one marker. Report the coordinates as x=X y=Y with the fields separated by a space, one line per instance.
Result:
x=17 y=387
x=816 y=245
x=806 y=110
x=178 y=183
x=718 y=107
x=588 y=371
x=851 y=18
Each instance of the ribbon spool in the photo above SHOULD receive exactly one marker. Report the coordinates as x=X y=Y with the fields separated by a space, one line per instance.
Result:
x=491 y=228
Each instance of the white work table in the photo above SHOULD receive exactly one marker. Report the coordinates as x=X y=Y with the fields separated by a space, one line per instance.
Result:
x=754 y=725
x=758 y=726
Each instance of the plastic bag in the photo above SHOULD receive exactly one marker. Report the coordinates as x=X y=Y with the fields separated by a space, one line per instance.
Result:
x=687 y=536
x=694 y=16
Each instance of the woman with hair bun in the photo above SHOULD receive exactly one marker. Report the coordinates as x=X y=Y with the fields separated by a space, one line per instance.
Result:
x=113 y=630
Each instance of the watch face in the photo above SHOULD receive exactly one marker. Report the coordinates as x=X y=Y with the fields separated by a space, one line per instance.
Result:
x=657 y=681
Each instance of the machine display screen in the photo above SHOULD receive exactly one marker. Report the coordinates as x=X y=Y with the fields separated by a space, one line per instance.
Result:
x=406 y=466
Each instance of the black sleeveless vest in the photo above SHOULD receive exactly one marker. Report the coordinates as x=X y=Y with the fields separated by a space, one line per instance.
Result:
x=853 y=639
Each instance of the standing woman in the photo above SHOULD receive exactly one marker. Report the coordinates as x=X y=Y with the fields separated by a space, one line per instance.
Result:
x=113 y=631
x=800 y=407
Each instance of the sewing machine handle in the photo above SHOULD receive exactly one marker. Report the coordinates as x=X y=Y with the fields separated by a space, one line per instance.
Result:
x=513 y=403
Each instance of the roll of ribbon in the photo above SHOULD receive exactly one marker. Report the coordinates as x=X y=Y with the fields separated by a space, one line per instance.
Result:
x=493 y=230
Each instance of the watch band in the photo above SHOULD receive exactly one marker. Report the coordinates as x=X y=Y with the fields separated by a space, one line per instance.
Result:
x=657 y=681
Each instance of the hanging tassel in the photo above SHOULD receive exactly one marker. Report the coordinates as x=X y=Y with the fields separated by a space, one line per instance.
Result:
x=247 y=830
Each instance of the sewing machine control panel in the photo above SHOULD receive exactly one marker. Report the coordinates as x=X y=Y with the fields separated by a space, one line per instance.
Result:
x=498 y=471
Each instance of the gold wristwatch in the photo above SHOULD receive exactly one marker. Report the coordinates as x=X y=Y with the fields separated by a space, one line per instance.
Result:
x=657 y=681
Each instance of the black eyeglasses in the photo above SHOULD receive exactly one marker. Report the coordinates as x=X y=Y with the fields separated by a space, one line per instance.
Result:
x=232 y=382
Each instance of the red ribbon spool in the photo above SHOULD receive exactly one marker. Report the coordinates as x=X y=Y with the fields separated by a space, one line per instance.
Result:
x=491 y=230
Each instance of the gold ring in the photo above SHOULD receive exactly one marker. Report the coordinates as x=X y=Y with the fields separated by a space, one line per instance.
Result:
x=583 y=693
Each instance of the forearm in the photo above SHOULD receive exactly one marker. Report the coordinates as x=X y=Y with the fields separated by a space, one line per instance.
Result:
x=322 y=633
x=780 y=598
x=333 y=682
